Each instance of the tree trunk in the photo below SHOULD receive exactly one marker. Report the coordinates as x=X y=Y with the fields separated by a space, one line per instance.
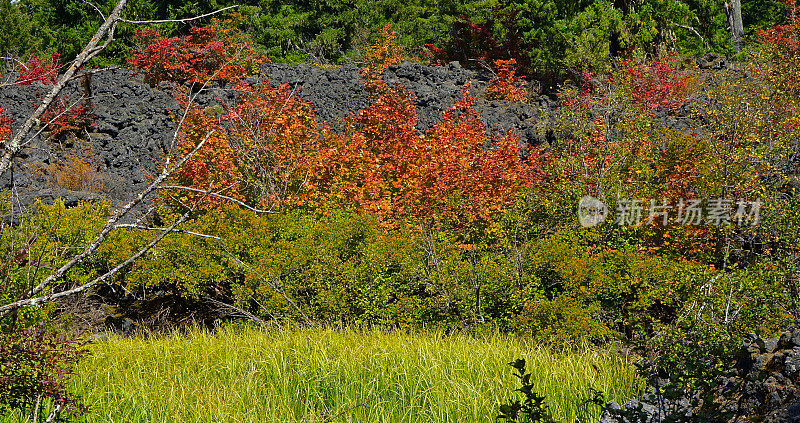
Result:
x=733 y=11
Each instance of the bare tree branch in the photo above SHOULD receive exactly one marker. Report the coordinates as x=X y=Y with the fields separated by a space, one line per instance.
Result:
x=689 y=28
x=194 y=18
x=220 y=196
x=149 y=228
x=13 y=146
x=102 y=16
x=53 y=414
x=12 y=59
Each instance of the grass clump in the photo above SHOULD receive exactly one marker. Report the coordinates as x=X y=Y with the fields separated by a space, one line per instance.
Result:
x=320 y=375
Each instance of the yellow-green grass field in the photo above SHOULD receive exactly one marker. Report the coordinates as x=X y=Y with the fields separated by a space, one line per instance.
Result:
x=321 y=375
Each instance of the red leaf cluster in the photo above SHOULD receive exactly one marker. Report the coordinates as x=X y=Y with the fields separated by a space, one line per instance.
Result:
x=62 y=117
x=217 y=52
x=44 y=70
x=5 y=125
x=657 y=84
x=506 y=85
x=781 y=46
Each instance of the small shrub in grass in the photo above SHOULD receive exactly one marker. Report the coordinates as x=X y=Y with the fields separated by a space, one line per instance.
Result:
x=34 y=368
x=533 y=408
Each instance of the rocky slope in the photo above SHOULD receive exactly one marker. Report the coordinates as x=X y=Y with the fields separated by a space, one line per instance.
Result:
x=134 y=125
x=762 y=386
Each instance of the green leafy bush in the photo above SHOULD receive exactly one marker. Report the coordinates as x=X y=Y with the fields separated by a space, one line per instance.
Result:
x=564 y=321
x=32 y=245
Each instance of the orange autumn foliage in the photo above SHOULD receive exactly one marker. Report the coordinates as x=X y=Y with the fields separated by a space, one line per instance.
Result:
x=213 y=167
x=506 y=85
x=362 y=166
x=274 y=135
x=267 y=150
x=378 y=57
x=257 y=150
x=453 y=174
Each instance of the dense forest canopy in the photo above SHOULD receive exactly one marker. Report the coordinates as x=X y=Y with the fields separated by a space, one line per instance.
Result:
x=546 y=37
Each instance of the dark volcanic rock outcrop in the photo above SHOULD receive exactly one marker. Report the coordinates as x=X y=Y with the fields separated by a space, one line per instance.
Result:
x=335 y=93
x=131 y=132
x=134 y=126
x=762 y=386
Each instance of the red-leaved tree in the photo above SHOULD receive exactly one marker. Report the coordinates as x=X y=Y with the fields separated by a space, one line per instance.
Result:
x=259 y=151
x=219 y=51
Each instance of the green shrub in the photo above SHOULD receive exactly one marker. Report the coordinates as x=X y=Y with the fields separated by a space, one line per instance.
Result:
x=564 y=322
x=35 y=243
x=343 y=267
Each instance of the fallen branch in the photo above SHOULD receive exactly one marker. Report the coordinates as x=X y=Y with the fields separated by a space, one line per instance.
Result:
x=101 y=237
x=13 y=146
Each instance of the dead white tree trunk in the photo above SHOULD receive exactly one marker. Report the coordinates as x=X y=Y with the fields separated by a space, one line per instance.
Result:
x=35 y=295
x=733 y=11
x=106 y=30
